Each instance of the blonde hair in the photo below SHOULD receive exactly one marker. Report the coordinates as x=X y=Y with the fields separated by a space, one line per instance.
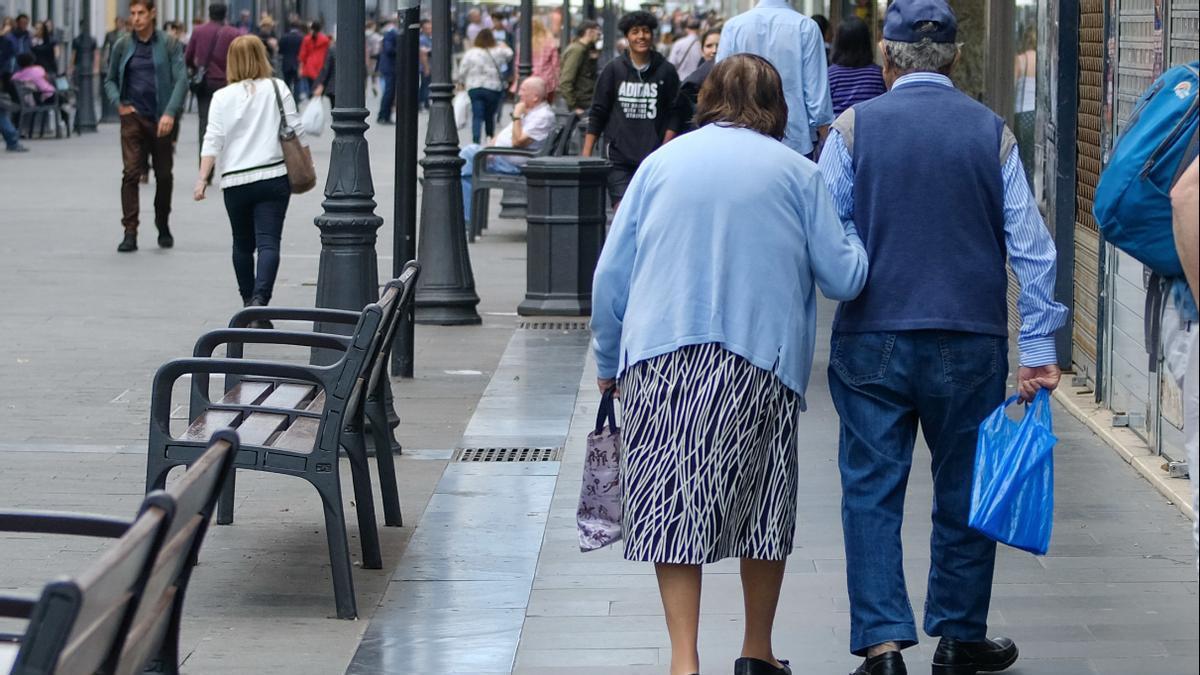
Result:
x=540 y=34
x=247 y=60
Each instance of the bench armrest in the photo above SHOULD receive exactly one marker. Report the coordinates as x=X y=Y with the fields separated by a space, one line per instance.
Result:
x=340 y=316
x=16 y=606
x=164 y=380
x=52 y=522
x=236 y=338
x=479 y=166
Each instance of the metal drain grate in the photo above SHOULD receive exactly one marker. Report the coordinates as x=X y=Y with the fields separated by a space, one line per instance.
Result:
x=507 y=455
x=552 y=325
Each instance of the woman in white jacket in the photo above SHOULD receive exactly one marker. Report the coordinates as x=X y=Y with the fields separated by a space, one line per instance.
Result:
x=242 y=142
x=481 y=72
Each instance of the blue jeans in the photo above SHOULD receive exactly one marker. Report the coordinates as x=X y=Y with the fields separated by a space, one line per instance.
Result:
x=389 y=96
x=884 y=385
x=484 y=105
x=494 y=165
x=12 y=138
x=256 y=213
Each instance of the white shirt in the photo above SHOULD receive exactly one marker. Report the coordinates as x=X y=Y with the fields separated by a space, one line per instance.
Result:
x=685 y=55
x=482 y=68
x=537 y=124
x=243 y=131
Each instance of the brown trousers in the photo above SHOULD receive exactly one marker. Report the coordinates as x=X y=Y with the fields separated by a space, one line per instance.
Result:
x=140 y=144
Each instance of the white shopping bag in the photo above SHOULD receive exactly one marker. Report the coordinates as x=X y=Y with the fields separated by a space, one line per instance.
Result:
x=312 y=117
x=462 y=109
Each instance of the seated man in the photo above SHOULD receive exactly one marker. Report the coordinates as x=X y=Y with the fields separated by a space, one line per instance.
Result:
x=532 y=122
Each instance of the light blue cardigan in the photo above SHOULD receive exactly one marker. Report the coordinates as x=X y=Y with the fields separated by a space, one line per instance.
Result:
x=719 y=238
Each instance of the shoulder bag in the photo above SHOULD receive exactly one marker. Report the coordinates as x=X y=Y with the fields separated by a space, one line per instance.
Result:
x=297 y=158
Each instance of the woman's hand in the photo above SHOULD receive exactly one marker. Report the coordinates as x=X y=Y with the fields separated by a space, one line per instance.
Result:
x=607 y=383
x=198 y=191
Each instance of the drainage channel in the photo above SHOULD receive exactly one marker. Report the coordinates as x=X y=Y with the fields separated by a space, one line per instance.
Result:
x=457 y=602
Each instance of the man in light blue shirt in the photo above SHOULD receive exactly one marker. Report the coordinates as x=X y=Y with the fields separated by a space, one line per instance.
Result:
x=933 y=183
x=793 y=44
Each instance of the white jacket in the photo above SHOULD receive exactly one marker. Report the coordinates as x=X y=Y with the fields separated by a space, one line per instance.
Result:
x=243 y=131
x=480 y=68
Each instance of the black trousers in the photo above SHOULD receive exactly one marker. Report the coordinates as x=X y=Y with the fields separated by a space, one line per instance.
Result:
x=256 y=212
x=203 y=101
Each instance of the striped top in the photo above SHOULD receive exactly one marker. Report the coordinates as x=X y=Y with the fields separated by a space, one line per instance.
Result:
x=848 y=86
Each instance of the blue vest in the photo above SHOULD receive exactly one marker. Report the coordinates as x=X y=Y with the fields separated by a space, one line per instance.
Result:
x=929 y=206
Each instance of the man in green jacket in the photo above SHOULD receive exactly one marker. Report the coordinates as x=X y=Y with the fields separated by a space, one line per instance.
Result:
x=577 y=75
x=147 y=81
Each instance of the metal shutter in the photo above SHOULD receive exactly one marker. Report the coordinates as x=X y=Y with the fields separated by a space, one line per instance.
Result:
x=1088 y=163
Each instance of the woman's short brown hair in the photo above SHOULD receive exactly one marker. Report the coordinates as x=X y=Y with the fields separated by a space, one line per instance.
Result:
x=486 y=39
x=247 y=59
x=744 y=91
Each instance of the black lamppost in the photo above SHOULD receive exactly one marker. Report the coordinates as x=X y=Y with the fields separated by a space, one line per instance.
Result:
x=589 y=9
x=348 y=276
x=610 y=32
x=565 y=38
x=525 y=67
x=85 y=66
x=405 y=221
x=446 y=290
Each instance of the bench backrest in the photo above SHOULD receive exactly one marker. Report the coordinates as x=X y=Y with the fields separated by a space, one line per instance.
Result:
x=79 y=623
x=396 y=294
x=192 y=498
x=405 y=286
x=567 y=121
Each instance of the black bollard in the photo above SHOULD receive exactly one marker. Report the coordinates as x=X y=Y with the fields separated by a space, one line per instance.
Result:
x=567 y=213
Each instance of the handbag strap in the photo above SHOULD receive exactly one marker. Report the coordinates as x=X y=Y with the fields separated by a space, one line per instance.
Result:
x=607 y=411
x=284 y=130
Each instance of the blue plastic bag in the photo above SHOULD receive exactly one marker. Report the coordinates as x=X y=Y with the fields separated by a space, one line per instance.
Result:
x=1012 y=495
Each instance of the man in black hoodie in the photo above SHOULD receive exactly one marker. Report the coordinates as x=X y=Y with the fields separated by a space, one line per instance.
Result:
x=635 y=105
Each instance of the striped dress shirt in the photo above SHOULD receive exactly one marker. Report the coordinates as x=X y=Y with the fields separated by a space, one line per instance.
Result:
x=1030 y=247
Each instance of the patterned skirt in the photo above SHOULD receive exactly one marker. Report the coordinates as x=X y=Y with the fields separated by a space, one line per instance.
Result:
x=710 y=467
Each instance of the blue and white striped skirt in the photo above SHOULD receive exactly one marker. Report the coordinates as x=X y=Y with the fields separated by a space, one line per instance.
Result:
x=710 y=468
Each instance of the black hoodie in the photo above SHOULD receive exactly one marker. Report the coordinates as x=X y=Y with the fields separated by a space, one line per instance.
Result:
x=633 y=109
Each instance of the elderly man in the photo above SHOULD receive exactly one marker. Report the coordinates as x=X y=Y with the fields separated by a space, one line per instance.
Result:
x=792 y=43
x=532 y=122
x=933 y=181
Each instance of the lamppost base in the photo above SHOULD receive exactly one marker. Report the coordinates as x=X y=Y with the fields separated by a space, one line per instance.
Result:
x=447 y=312
x=574 y=306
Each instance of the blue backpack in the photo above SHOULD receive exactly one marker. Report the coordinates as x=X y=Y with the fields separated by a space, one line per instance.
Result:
x=1133 y=204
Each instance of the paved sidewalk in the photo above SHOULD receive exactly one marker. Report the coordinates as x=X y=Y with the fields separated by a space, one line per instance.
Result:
x=1117 y=594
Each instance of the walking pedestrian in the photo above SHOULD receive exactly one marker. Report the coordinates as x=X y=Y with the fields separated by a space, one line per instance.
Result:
x=46 y=48
x=481 y=73
x=577 y=72
x=853 y=76
x=206 y=52
x=926 y=343
x=794 y=44
x=313 y=49
x=685 y=52
x=386 y=68
x=636 y=104
x=704 y=319
x=289 y=56
x=689 y=89
x=242 y=146
x=424 y=50
x=147 y=81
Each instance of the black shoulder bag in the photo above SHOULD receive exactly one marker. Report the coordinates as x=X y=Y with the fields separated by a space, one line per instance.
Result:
x=198 y=83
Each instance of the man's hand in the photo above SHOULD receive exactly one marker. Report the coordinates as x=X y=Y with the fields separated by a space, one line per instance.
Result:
x=580 y=112
x=198 y=191
x=126 y=109
x=318 y=91
x=519 y=109
x=165 y=124
x=1030 y=380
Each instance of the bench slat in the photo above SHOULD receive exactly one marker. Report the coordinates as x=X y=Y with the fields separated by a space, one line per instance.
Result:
x=300 y=437
x=246 y=393
x=258 y=428
x=318 y=403
x=288 y=395
x=208 y=423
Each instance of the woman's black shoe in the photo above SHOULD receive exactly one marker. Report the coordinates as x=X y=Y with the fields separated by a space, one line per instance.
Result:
x=262 y=324
x=956 y=657
x=887 y=663
x=749 y=666
x=128 y=243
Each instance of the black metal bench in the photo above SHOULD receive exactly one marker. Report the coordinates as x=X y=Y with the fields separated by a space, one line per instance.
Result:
x=293 y=418
x=483 y=181
x=123 y=611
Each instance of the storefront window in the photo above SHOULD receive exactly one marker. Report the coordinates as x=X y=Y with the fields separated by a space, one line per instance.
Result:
x=1025 y=27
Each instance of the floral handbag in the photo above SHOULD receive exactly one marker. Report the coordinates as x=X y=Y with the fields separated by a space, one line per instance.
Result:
x=599 y=515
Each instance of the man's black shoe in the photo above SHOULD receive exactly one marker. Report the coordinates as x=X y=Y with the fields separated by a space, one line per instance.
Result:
x=385 y=122
x=165 y=240
x=749 y=666
x=129 y=243
x=956 y=657
x=18 y=148
x=887 y=663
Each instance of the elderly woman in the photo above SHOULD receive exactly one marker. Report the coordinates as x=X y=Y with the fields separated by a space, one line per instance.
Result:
x=704 y=315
